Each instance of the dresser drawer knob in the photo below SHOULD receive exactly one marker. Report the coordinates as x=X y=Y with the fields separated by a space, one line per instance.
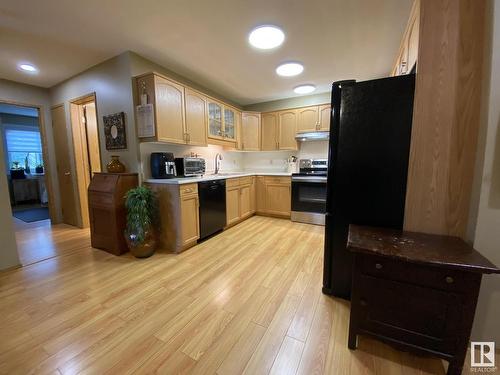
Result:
x=362 y=302
x=449 y=279
x=378 y=266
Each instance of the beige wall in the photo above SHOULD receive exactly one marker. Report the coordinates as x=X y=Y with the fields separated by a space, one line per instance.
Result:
x=299 y=101
x=487 y=234
x=8 y=250
x=36 y=96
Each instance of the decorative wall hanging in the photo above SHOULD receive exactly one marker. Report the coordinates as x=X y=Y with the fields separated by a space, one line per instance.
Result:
x=114 y=130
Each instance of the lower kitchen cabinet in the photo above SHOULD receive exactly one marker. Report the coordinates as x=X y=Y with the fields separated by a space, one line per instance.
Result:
x=240 y=204
x=273 y=195
x=179 y=215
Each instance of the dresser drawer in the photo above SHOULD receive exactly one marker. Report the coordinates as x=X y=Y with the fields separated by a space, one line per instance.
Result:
x=413 y=273
x=188 y=189
x=429 y=319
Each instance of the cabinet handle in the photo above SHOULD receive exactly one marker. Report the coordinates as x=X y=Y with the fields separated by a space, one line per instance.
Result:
x=363 y=303
x=449 y=280
x=378 y=266
x=188 y=190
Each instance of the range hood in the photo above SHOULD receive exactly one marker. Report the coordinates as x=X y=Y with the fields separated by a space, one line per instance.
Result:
x=312 y=136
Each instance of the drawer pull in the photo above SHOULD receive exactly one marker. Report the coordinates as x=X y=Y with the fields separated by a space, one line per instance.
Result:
x=188 y=190
x=449 y=279
x=378 y=266
x=362 y=302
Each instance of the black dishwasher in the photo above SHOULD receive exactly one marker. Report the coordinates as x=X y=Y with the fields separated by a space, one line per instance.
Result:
x=212 y=196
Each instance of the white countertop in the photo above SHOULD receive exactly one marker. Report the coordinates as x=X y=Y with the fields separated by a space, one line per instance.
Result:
x=212 y=177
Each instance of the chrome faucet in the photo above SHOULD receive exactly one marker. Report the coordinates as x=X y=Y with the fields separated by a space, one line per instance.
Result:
x=218 y=159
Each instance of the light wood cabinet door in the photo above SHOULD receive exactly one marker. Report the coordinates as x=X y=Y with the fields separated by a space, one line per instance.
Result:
x=253 y=198
x=169 y=102
x=278 y=199
x=245 y=201
x=269 y=131
x=324 y=117
x=196 y=118
x=260 y=194
x=250 y=131
x=190 y=220
x=307 y=119
x=232 y=204
x=215 y=127
x=287 y=130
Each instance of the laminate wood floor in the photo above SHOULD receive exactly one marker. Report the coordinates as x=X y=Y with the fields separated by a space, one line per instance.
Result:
x=247 y=301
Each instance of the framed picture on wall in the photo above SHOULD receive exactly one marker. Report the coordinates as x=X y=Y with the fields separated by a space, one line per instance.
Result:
x=114 y=131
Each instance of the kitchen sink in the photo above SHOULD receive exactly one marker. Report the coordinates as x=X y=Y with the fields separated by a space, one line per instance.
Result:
x=227 y=173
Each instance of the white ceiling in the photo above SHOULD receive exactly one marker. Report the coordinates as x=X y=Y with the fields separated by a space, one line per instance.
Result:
x=205 y=40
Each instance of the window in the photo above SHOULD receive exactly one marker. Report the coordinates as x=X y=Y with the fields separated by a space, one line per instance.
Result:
x=22 y=144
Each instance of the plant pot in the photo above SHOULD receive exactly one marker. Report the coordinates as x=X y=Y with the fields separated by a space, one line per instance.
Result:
x=142 y=249
x=17 y=174
x=39 y=170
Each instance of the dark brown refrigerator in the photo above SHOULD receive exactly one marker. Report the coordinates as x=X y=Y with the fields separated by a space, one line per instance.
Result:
x=370 y=131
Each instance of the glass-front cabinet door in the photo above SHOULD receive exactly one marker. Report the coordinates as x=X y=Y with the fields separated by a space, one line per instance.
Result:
x=229 y=124
x=215 y=127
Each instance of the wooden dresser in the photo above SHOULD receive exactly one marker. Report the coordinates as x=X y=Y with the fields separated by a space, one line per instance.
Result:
x=415 y=291
x=107 y=212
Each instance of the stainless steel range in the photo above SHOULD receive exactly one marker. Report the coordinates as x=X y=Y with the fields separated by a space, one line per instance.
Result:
x=309 y=191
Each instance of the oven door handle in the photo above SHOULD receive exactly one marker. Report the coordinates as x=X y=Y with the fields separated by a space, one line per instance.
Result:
x=321 y=180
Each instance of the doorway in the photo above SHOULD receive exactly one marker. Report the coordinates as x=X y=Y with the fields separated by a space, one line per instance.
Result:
x=85 y=130
x=24 y=156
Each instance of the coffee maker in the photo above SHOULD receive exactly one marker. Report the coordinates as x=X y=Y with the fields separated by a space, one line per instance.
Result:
x=163 y=165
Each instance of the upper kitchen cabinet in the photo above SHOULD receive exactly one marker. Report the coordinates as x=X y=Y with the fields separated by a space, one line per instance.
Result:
x=408 y=50
x=222 y=123
x=269 y=131
x=196 y=118
x=167 y=98
x=324 y=117
x=287 y=130
x=308 y=119
x=314 y=118
x=250 y=131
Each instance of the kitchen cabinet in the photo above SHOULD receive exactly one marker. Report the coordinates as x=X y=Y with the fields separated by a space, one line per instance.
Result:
x=222 y=123
x=196 y=118
x=273 y=196
x=408 y=50
x=250 y=131
x=287 y=130
x=314 y=118
x=240 y=204
x=167 y=98
x=269 y=131
x=179 y=215
x=190 y=221
x=308 y=119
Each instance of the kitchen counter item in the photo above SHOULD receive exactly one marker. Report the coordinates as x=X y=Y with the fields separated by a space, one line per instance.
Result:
x=415 y=291
x=212 y=195
x=162 y=165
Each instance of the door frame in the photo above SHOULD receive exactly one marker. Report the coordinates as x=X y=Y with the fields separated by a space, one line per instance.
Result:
x=45 y=150
x=79 y=151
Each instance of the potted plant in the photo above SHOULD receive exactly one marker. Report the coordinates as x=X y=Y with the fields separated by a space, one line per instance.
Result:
x=39 y=168
x=16 y=171
x=141 y=205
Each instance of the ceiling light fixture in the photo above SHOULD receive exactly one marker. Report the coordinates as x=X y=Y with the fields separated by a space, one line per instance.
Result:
x=304 y=89
x=289 y=69
x=28 y=68
x=266 y=37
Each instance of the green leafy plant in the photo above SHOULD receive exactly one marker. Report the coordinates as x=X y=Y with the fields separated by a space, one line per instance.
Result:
x=141 y=204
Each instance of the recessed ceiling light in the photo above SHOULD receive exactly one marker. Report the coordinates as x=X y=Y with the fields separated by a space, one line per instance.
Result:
x=28 y=68
x=266 y=37
x=304 y=89
x=289 y=69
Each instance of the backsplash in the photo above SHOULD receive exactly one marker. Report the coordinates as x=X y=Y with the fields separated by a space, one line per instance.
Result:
x=258 y=161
